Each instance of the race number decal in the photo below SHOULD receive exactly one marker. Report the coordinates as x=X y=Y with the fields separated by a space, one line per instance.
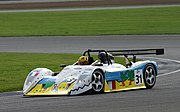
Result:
x=138 y=77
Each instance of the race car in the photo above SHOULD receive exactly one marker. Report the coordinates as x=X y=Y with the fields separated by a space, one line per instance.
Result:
x=95 y=72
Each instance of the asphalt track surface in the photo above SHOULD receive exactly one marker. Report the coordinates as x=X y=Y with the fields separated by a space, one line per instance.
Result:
x=164 y=97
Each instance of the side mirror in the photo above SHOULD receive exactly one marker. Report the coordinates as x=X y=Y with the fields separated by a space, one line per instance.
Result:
x=63 y=65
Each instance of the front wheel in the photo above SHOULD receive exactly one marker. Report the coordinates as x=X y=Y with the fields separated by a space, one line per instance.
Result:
x=150 y=76
x=97 y=82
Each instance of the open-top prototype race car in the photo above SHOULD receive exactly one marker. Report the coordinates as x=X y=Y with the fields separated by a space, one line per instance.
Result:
x=96 y=76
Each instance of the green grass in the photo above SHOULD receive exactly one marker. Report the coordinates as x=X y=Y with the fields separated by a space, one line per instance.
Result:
x=97 y=22
x=14 y=67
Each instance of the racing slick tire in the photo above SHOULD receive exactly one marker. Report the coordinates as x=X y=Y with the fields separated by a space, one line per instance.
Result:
x=97 y=82
x=150 y=76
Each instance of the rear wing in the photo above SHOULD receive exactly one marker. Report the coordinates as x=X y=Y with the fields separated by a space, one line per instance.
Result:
x=137 y=52
x=126 y=53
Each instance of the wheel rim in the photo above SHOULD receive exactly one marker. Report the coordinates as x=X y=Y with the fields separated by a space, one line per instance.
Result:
x=97 y=81
x=150 y=75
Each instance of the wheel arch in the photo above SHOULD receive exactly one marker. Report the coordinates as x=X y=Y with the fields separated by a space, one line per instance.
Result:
x=101 y=71
x=155 y=66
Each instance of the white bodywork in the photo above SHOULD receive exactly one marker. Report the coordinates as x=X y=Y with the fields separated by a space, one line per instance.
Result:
x=78 y=75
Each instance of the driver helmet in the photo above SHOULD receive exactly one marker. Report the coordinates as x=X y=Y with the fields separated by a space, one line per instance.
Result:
x=83 y=60
x=102 y=56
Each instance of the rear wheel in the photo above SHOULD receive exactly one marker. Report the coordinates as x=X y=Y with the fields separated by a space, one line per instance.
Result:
x=97 y=82
x=150 y=76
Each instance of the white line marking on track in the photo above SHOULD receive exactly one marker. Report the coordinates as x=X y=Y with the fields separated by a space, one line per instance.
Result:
x=166 y=60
